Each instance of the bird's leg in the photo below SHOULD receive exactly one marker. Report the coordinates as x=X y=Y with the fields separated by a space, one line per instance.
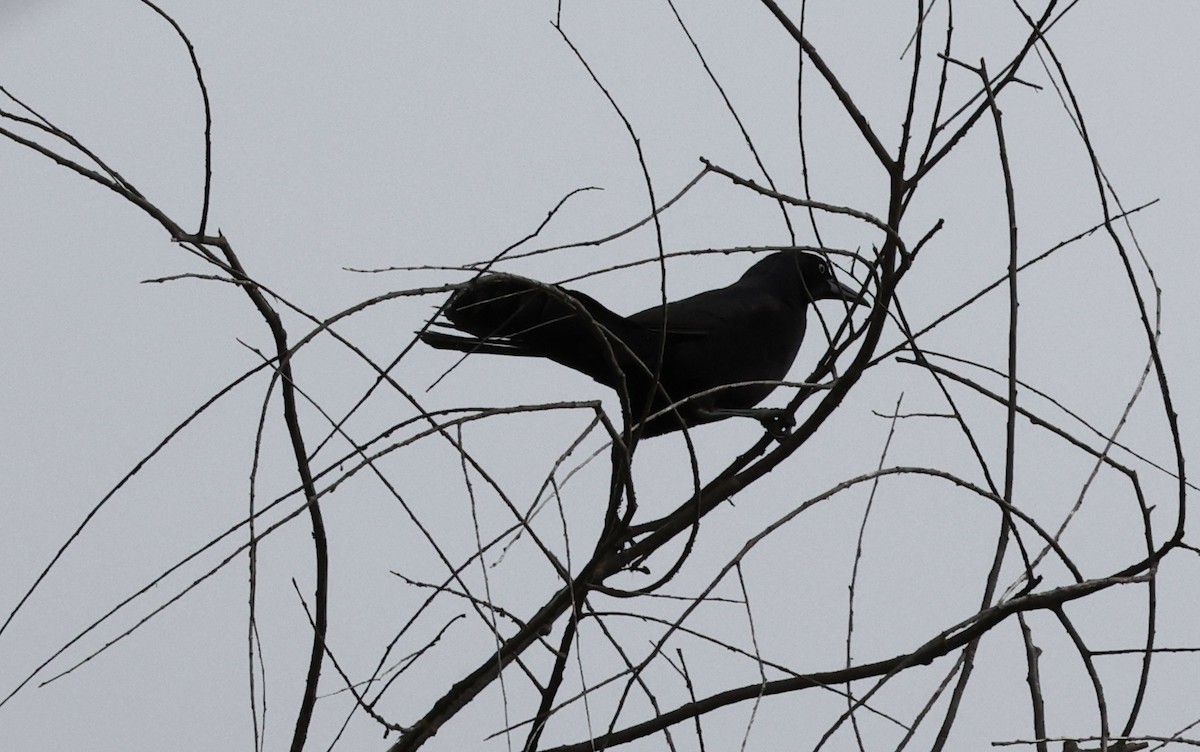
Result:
x=777 y=421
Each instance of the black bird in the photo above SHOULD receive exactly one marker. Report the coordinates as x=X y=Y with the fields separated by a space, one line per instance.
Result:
x=749 y=331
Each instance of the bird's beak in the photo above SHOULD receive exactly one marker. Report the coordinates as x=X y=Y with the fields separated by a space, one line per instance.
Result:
x=839 y=291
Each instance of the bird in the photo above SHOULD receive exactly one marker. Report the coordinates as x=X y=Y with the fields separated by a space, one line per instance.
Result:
x=702 y=349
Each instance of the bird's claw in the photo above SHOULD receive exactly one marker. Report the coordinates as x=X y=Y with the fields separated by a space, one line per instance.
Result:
x=778 y=424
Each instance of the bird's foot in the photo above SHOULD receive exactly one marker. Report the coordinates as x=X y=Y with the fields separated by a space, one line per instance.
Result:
x=778 y=423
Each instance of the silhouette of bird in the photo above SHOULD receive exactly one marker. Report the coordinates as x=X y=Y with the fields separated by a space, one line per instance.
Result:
x=749 y=331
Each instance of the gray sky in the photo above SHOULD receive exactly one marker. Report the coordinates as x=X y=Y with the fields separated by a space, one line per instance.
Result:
x=437 y=134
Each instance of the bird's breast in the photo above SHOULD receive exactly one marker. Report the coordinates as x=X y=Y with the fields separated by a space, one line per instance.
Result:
x=758 y=348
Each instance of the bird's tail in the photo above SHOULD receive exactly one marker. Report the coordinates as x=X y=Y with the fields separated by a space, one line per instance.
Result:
x=512 y=315
x=443 y=341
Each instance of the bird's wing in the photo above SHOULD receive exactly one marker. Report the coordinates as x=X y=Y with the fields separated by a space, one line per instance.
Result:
x=700 y=315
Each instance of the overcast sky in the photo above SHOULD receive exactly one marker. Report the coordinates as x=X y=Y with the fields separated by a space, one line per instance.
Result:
x=374 y=135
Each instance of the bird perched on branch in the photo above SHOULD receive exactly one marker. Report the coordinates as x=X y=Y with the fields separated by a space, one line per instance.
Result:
x=679 y=360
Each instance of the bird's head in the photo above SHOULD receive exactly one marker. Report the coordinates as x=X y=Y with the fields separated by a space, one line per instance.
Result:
x=807 y=276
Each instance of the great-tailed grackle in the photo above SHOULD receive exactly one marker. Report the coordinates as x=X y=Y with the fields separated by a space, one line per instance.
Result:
x=749 y=331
